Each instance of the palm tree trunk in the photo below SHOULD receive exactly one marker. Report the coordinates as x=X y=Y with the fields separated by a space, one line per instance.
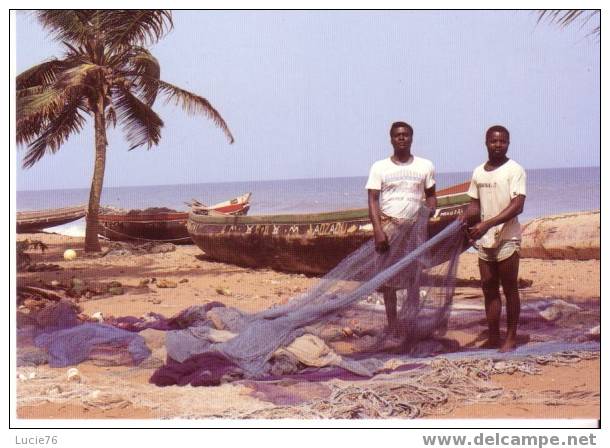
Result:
x=91 y=241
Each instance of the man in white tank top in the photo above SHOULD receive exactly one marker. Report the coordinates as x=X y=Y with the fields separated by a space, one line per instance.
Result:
x=397 y=188
x=497 y=193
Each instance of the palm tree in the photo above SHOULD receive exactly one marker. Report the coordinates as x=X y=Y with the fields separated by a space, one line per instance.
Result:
x=107 y=74
x=567 y=17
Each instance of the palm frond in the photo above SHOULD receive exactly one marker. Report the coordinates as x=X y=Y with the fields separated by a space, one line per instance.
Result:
x=68 y=25
x=29 y=91
x=597 y=31
x=48 y=101
x=134 y=27
x=80 y=76
x=45 y=103
x=142 y=126
x=59 y=128
x=38 y=106
x=567 y=17
x=145 y=70
x=111 y=116
x=41 y=74
x=28 y=128
x=194 y=104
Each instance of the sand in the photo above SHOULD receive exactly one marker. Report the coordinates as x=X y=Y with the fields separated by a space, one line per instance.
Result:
x=124 y=392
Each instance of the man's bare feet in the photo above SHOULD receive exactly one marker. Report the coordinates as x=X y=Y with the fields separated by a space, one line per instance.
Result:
x=508 y=346
x=388 y=342
x=394 y=329
x=491 y=343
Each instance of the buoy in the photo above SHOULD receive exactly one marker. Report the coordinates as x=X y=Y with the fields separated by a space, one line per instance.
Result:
x=73 y=375
x=69 y=254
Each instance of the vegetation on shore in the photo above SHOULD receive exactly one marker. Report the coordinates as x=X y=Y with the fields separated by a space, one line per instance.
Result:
x=108 y=74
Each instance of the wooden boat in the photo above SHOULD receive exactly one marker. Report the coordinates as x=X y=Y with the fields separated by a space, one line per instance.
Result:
x=165 y=226
x=304 y=243
x=35 y=221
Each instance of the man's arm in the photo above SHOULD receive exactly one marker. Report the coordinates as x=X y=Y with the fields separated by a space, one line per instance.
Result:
x=472 y=214
x=514 y=208
x=381 y=239
x=431 y=199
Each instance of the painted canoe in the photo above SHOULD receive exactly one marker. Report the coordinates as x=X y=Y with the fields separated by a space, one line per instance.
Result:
x=165 y=226
x=303 y=243
x=34 y=221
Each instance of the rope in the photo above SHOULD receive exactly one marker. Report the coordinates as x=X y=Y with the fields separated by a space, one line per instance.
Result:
x=568 y=357
x=434 y=390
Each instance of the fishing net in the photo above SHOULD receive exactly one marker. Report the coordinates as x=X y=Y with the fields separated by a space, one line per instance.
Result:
x=420 y=269
x=432 y=387
x=336 y=329
x=56 y=336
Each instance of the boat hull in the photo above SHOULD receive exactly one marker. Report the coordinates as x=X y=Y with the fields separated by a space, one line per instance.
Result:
x=162 y=227
x=307 y=244
x=36 y=221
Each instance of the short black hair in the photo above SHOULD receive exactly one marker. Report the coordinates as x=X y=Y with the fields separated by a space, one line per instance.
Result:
x=400 y=124
x=497 y=128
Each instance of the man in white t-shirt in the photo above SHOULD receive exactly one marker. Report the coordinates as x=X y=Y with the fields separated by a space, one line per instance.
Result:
x=397 y=188
x=497 y=193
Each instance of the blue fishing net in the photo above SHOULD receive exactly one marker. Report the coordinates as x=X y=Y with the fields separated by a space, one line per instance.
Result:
x=61 y=339
x=344 y=308
x=74 y=345
x=422 y=269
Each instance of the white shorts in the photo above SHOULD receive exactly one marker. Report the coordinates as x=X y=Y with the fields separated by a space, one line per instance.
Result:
x=504 y=251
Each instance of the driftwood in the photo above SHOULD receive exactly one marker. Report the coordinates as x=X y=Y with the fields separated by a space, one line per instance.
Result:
x=40 y=292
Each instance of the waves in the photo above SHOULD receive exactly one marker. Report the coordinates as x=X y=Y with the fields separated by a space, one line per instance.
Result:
x=549 y=191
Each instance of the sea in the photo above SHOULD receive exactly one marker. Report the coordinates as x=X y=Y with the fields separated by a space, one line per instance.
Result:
x=549 y=191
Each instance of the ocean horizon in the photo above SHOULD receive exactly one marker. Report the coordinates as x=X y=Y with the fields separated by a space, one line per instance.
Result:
x=549 y=191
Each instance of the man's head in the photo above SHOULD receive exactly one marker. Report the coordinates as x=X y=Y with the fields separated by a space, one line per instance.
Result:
x=497 y=139
x=401 y=136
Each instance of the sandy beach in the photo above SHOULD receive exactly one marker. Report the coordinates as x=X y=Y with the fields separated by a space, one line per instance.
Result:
x=111 y=392
x=278 y=139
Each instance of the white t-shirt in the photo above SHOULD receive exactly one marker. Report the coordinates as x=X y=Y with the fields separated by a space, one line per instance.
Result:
x=401 y=184
x=495 y=189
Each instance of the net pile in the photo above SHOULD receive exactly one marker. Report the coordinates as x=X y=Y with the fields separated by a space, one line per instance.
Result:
x=336 y=329
x=423 y=269
x=56 y=336
x=432 y=390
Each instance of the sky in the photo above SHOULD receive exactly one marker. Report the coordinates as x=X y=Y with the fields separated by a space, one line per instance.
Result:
x=311 y=94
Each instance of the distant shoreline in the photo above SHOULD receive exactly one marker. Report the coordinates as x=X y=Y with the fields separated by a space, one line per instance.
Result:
x=467 y=173
x=549 y=191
